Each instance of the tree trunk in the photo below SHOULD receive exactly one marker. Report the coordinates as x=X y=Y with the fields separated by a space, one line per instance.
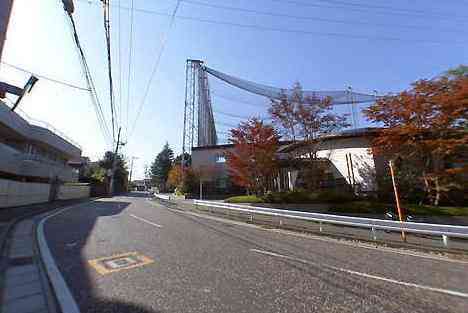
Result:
x=427 y=188
x=438 y=191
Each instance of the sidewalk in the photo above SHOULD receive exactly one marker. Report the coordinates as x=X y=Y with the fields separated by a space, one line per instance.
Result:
x=24 y=289
x=24 y=285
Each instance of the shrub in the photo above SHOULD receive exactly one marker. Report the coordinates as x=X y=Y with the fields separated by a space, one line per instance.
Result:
x=332 y=196
x=297 y=196
x=244 y=199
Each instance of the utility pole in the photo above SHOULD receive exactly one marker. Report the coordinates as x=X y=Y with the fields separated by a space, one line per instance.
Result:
x=114 y=164
x=131 y=171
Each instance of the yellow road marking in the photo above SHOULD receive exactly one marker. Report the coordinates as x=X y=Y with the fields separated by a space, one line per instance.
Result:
x=99 y=263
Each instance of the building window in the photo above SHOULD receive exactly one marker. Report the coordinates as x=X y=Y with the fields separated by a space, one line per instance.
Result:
x=220 y=158
x=221 y=183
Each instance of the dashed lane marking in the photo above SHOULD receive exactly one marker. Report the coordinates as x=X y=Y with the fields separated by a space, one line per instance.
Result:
x=146 y=221
x=370 y=276
x=345 y=242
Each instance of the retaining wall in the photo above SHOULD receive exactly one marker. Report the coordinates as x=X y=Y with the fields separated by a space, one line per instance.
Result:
x=14 y=193
x=67 y=192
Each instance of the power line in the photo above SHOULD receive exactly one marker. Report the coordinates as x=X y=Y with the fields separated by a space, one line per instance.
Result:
x=130 y=56
x=386 y=7
x=156 y=65
x=311 y=18
x=298 y=31
x=120 y=60
x=46 y=77
x=315 y=33
x=109 y=62
x=362 y=8
x=89 y=80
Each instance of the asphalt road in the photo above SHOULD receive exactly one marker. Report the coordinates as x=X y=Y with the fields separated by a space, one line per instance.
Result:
x=204 y=264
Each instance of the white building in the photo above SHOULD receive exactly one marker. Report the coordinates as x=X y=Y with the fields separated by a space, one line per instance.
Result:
x=349 y=159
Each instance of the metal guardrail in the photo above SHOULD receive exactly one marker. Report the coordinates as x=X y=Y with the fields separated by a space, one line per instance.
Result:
x=445 y=231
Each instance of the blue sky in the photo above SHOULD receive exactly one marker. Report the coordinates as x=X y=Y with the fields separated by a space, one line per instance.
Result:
x=379 y=49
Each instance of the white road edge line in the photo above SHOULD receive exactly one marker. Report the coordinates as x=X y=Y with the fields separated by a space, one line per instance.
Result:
x=62 y=292
x=146 y=221
x=390 y=280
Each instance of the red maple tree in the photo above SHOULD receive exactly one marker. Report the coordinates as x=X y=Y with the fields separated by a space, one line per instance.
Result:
x=306 y=118
x=252 y=164
x=427 y=126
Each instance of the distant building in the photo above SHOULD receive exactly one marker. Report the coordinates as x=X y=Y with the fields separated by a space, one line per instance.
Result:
x=34 y=153
x=141 y=184
x=347 y=158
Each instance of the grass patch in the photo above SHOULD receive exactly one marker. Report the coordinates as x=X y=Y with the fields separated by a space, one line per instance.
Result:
x=370 y=207
x=436 y=210
x=373 y=207
x=244 y=199
x=346 y=203
x=296 y=197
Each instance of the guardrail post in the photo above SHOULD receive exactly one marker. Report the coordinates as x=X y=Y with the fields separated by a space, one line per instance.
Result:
x=373 y=233
x=320 y=227
x=251 y=218
x=445 y=240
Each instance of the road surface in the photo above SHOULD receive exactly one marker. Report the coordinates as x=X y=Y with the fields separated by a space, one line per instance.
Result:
x=195 y=263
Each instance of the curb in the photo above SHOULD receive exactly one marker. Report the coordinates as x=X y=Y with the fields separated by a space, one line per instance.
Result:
x=62 y=293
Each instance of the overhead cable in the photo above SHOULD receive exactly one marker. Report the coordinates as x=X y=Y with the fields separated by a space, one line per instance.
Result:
x=89 y=80
x=129 y=75
x=313 y=18
x=303 y=32
x=46 y=77
x=155 y=67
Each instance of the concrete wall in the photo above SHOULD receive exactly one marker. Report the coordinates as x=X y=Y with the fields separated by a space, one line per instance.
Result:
x=67 y=192
x=14 y=193
x=362 y=160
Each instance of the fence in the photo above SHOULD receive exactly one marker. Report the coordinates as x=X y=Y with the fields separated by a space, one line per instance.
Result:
x=443 y=231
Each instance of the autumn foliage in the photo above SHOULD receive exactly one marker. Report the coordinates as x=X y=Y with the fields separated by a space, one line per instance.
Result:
x=176 y=176
x=252 y=164
x=300 y=117
x=426 y=126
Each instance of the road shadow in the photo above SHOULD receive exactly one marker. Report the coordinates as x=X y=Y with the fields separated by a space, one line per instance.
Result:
x=67 y=235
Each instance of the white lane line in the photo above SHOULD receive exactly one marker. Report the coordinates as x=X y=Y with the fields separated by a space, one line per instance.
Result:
x=146 y=221
x=390 y=280
x=354 y=244
x=65 y=298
